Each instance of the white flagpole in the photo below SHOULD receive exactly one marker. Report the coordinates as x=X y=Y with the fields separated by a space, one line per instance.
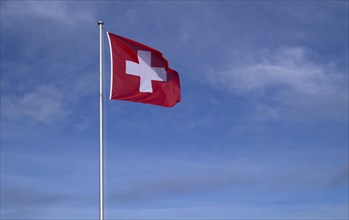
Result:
x=101 y=161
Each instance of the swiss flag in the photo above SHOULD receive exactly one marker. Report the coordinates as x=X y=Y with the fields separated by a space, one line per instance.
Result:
x=141 y=74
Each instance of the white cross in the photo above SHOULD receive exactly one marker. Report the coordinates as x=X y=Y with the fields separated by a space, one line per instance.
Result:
x=144 y=70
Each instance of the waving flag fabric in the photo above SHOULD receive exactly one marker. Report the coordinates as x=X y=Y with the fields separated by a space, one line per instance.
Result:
x=141 y=74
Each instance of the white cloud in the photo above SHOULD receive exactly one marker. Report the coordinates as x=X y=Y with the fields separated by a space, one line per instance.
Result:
x=48 y=103
x=289 y=78
x=288 y=67
x=45 y=104
x=59 y=11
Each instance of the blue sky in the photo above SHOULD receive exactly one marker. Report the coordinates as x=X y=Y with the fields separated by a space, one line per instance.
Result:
x=261 y=131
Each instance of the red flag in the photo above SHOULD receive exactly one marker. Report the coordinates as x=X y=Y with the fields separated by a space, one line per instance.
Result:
x=141 y=74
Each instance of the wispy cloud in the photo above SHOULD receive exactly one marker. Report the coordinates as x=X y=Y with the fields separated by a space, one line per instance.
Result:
x=48 y=103
x=287 y=68
x=24 y=203
x=45 y=104
x=51 y=71
x=55 y=10
x=288 y=78
x=292 y=173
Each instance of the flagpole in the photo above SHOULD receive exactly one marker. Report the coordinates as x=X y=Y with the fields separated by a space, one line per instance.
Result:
x=101 y=161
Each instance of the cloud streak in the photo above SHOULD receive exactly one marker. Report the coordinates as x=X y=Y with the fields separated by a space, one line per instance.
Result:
x=48 y=103
x=233 y=175
x=57 y=11
x=288 y=68
x=22 y=203
x=45 y=105
x=288 y=78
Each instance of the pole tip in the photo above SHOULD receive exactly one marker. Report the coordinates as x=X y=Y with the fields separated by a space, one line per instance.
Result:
x=100 y=22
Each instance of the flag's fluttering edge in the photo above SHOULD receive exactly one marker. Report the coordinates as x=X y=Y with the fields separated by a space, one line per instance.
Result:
x=141 y=74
